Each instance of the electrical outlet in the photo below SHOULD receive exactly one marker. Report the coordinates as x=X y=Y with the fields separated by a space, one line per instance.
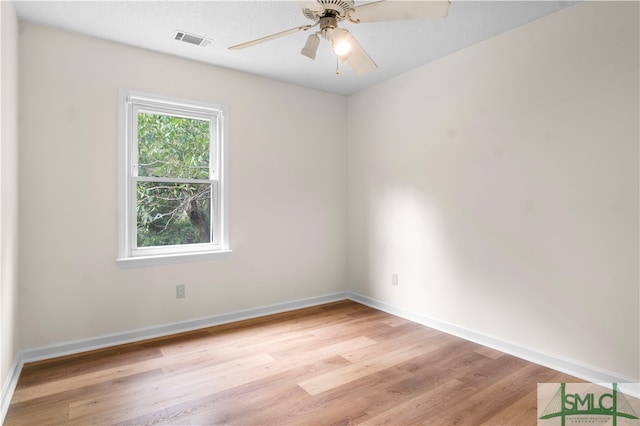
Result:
x=180 y=291
x=394 y=279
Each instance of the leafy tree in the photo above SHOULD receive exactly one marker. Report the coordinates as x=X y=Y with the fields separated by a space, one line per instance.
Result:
x=168 y=212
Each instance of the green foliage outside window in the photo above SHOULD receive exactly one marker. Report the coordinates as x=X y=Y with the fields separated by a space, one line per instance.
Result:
x=172 y=213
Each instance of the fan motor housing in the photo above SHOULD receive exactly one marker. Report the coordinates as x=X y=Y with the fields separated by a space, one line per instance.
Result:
x=328 y=22
x=341 y=7
x=335 y=8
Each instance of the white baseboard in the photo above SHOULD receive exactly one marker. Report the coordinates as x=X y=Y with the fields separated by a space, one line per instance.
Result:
x=573 y=368
x=9 y=386
x=92 y=343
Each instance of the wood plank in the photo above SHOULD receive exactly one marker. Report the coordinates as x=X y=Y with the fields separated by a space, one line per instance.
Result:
x=488 y=352
x=416 y=409
x=361 y=368
x=475 y=405
x=336 y=406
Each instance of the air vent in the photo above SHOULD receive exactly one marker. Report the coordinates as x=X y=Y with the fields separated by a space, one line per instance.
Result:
x=191 y=39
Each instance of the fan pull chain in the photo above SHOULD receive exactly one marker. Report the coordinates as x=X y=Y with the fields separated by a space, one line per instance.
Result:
x=337 y=65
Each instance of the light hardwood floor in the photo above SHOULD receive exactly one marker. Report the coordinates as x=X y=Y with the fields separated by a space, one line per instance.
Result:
x=340 y=363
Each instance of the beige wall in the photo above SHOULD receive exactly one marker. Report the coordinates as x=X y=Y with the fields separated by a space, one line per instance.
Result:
x=287 y=192
x=9 y=336
x=501 y=184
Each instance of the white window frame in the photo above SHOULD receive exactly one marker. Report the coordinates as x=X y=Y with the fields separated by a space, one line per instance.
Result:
x=129 y=254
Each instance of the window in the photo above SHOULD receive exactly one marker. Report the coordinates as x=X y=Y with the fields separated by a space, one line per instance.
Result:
x=173 y=193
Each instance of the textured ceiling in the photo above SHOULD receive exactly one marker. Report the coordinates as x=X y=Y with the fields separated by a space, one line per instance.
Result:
x=396 y=47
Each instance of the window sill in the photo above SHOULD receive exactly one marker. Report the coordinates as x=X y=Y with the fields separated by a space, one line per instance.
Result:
x=167 y=259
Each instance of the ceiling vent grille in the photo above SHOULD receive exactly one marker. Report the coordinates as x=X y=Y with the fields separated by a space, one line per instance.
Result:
x=191 y=39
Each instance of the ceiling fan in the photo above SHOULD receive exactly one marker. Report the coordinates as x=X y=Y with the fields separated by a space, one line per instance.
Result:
x=345 y=46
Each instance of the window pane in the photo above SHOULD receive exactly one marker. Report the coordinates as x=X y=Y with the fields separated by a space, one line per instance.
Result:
x=173 y=213
x=172 y=146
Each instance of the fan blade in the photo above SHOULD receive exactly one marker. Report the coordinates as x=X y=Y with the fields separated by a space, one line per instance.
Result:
x=270 y=37
x=359 y=60
x=400 y=10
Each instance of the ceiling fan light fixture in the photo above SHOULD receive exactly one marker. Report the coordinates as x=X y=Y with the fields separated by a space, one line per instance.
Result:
x=342 y=48
x=340 y=43
x=311 y=46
